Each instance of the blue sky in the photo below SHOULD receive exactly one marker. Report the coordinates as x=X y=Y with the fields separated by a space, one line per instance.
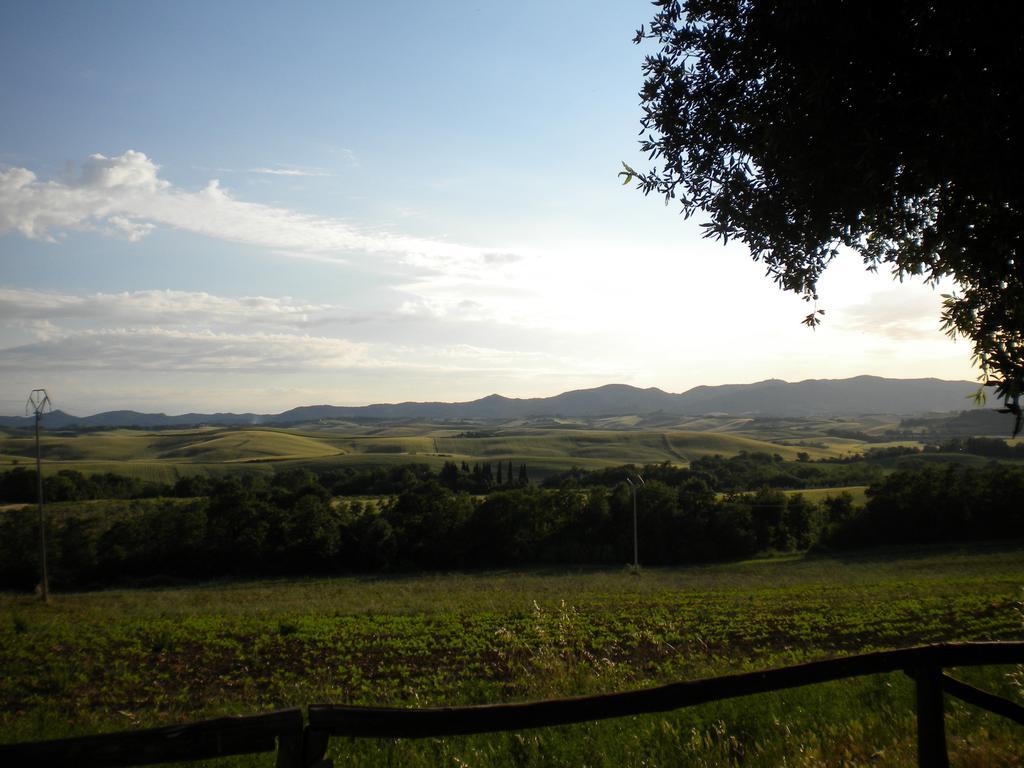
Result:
x=253 y=206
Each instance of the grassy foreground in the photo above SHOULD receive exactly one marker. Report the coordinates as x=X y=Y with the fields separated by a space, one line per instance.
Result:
x=118 y=659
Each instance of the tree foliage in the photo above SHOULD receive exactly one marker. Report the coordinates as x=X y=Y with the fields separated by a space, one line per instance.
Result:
x=289 y=524
x=889 y=128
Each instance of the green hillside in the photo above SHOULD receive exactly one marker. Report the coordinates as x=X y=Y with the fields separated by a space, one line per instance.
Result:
x=164 y=455
x=245 y=446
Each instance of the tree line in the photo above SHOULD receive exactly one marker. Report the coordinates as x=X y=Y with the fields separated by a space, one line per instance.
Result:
x=290 y=523
x=742 y=472
x=18 y=486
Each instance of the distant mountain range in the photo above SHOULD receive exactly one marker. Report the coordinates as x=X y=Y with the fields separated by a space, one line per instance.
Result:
x=814 y=397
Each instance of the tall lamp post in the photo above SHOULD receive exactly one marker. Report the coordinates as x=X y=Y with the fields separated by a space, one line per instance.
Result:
x=38 y=404
x=636 y=546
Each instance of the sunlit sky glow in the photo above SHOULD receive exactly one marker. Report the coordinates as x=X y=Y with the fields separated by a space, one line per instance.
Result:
x=248 y=207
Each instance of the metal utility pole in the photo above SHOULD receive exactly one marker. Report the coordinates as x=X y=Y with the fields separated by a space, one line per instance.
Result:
x=636 y=545
x=39 y=403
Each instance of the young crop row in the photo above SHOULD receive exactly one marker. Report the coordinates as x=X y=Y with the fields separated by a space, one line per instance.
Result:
x=105 y=661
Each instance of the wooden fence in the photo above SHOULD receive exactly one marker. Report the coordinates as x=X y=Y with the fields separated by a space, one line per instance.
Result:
x=305 y=746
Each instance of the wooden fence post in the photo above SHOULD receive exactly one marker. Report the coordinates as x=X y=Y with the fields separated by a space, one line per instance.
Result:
x=931 y=725
x=314 y=748
x=289 y=742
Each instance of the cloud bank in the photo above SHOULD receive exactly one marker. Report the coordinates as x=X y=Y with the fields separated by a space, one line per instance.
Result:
x=163 y=307
x=443 y=313
x=182 y=331
x=162 y=349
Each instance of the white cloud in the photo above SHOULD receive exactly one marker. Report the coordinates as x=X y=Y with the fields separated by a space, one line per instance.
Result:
x=134 y=231
x=124 y=195
x=501 y=258
x=132 y=170
x=37 y=329
x=904 y=313
x=286 y=171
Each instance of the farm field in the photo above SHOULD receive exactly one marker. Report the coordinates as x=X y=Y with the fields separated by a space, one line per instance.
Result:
x=117 y=659
x=817 y=495
x=164 y=455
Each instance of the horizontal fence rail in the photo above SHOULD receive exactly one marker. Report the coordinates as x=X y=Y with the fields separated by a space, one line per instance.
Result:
x=387 y=722
x=220 y=737
x=299 y=747
x=982 y=699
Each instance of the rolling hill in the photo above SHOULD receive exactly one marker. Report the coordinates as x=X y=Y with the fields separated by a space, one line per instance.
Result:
x=814 y=397
x=167 y=454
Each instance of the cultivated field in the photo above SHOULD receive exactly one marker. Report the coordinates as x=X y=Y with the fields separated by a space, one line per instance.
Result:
x=118 y=659
x=164 y=455
x=817 y=495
